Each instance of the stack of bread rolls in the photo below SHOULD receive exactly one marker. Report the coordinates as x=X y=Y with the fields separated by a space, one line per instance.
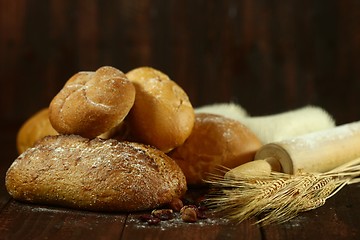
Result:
x=158 y=112
x=122 y=142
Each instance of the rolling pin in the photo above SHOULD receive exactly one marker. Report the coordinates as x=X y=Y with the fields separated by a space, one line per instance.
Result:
x=319 y=151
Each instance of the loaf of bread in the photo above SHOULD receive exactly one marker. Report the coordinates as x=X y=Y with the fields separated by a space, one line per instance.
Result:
x=99 y=175
x=162 y=115
x=215 y=142
x=35 y=128
x=92 y=103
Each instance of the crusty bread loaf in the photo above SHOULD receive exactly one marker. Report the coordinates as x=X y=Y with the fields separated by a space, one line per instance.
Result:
x=162 y=115
x=92 y=103
x=216 y=141
x=35 y=128
x=104 y=175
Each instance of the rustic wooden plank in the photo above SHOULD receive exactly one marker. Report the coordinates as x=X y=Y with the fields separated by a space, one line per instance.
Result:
x=338 y=219
x=26 y=221
x=206 y=229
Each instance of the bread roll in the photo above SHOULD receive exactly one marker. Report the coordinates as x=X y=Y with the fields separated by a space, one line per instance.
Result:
x=162 y=114
x=216 y=141
x=99 y=175
x=36 y=127
x=92 y=103
x=39 y=126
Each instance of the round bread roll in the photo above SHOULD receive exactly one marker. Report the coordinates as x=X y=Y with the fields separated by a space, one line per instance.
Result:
x=97 y=174
x=162 y=115
x=35 y=128
x=92 y=103
x=216 y=141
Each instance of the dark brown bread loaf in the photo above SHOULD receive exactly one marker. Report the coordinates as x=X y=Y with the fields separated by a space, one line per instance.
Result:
x=103 y=175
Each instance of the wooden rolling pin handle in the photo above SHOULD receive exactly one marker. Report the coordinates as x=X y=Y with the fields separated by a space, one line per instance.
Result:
x=254 y=168
x=319 y=151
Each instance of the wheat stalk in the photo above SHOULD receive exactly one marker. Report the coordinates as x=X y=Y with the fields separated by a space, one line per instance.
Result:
x=278 y=197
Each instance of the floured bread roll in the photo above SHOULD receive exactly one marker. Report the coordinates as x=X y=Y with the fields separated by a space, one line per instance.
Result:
x=216 y=141
x=92 y=103
x=35 y=128
x=162 y=115
x=104 y=175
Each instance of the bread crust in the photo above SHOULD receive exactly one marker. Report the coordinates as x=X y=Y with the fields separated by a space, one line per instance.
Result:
x=215 y=142
x=34 y=128
x=99 y=175
x=162 y=115
x=92 y=103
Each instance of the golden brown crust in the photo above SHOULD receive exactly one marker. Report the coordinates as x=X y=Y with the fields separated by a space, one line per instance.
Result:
x=35 y=128
x=92 y=103
x=105 y=175
x=162 y=114
x=215 y=141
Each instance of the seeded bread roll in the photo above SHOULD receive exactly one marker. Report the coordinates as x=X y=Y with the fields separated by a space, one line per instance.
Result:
x=216 y=141
x=92 y=103
x=99 y=175
x=162 y=114
x=35 y=128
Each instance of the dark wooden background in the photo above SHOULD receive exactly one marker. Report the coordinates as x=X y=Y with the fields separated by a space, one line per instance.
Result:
x=268 y=56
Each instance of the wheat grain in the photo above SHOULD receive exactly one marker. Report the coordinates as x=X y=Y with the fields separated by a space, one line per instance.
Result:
x=278 y=197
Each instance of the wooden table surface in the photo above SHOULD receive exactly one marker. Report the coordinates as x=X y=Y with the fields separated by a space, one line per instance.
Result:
x=339 y=218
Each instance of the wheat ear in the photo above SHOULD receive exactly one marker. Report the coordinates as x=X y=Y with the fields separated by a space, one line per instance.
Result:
x=278 y=197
